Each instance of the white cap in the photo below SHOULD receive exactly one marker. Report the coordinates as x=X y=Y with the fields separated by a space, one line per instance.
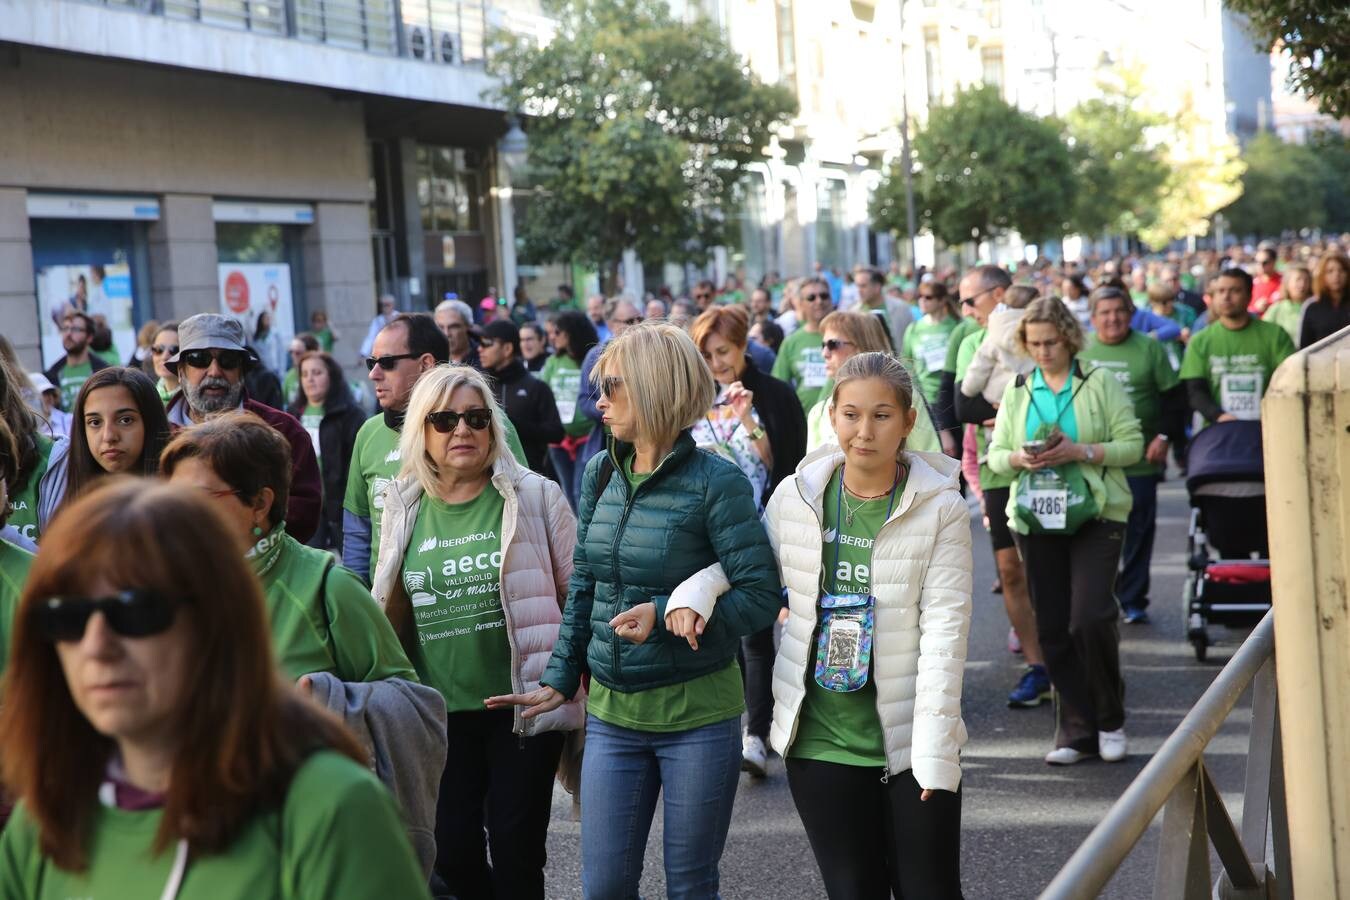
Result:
x=40 y=382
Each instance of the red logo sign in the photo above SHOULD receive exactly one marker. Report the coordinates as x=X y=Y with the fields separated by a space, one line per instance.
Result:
x=236 y=292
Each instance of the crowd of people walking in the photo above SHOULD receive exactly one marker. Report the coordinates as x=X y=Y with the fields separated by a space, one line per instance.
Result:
x=258 y=639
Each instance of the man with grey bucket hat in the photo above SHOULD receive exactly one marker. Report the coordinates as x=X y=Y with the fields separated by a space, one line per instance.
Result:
x=210 y=364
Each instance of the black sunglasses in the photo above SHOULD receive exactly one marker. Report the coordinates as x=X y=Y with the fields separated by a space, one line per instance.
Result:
x=834 y=345
x=633 y=321
x=970 y=301
x=447 y=420
x=609 y=384
x=387 y=362
x=132 y=613
x=812 y=298
x=229 y=360
x=161 y=349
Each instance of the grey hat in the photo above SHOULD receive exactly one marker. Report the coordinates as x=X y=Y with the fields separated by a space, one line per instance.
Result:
x=210 y=331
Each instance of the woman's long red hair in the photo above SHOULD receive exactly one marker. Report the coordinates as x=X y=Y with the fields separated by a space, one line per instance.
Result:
x=243 y=731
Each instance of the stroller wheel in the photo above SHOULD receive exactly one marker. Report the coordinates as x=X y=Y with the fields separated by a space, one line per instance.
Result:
x=1201 y=645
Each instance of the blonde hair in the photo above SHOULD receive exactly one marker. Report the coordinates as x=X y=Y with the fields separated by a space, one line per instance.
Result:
x=1053 y=311
x=669 y=385
x=865 y=331
x=883 y=367
x=432 y=394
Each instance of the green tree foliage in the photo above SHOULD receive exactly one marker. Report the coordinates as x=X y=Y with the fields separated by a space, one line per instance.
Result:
x=1334 y=153
x=1283 y=189
x=983 y=168
x=1316 y=34
x=1120 y=171
x=640 y=128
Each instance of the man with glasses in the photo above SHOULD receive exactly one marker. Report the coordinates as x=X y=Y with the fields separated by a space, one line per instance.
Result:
x=71 y=371
x=801 y=358
x=704 y=295
x=455 y=319
x=528 y=402
x=1266 y=284
x=210 y=365
x=894 y=312
x=410 y=345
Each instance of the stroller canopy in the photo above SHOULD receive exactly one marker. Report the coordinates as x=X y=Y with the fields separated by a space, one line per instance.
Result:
x=1225 y=451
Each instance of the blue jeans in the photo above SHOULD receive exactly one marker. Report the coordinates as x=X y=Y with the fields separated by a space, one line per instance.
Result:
x=622 y=772
x=569 y=472
x=1137 y=553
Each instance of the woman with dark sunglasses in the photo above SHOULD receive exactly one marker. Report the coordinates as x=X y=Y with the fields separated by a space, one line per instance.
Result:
x=152 y=747
x=474 y=560
x=162 y=346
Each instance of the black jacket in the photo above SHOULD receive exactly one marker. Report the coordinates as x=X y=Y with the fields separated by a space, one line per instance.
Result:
x=1321 y=318
x=530 y=406
x=784 y=421
x=342 y=419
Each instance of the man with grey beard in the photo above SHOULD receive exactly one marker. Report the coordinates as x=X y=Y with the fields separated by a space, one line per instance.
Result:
x=210 y=364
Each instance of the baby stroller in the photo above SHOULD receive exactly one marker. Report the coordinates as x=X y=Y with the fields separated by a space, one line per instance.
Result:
x=1228 y=549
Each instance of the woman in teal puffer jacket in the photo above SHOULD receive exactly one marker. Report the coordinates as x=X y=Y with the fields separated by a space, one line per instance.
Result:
x=665 y=693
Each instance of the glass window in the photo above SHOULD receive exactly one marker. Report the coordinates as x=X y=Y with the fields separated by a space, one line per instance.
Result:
x=447 y=189
x=932 y=62
x=992 y=60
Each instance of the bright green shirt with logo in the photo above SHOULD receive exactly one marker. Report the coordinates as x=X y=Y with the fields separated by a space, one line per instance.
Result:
x=338 y=834
x=710 y=698
x=14 y=565
x=23 y=505
x=452 y=576
x=563 y=375
x=1237 y=365
x=322 y=617
x=1142 y=367
x=970 y=344
x=801 y=363
x=72 y=379
x=312 y=418
x=833 y=726
x=926 y=344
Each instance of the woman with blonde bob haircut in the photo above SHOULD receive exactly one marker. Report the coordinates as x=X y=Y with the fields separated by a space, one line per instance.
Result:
x=474 y=559
x=665 y=694
x=149 y=738
x=847 y=334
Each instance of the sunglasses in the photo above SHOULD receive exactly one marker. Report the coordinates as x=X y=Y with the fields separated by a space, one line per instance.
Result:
x=229 y=360
x=132 y=613
x=609 y=384
x=387 y=362
x=812 y=298
x=447 y=420
x=161 y=349
x=970 y=301
x=633 y=321
x=834 y=346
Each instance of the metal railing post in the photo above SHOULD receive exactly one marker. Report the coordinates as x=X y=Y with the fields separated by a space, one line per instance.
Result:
x=1183 y=849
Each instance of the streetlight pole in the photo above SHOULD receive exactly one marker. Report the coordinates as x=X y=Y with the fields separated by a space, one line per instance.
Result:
x=906 y=161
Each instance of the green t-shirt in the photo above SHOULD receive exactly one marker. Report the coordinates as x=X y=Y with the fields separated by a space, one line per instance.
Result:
x=338 y=834
x=1143 y=368
x=23 y=505
x=325 y=339
x=14 y=565
x=72 y=379
x=1288 y=315
x=1184 y=316
x=563 y=375
x=452 y=575
x=836 y=727
x=312 y=418
x=970 y=344
x=324 y=623
x=801 y=363
x=714 y=697
x=927 y=343
x=1237 y=365
x=376 y=461
x=290 y=385
x=165 y=394
x=967 y=326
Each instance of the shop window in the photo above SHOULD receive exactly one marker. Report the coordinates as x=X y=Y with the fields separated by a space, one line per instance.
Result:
x=447 y=189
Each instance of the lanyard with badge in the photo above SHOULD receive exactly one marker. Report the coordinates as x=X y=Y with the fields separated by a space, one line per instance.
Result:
x=847 y=621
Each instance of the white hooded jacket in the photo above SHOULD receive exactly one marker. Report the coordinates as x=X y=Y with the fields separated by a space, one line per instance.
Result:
x=921 y=578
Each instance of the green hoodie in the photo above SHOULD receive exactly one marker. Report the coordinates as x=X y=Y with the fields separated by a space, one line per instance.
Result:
x=14 y=565
x=1104 y=416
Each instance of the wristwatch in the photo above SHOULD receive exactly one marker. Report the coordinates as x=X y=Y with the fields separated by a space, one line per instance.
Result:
x=758 y=433
x=1088 y=453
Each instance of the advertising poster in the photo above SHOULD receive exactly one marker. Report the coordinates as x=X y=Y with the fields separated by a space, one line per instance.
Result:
x=247 y=290
x=102 y=291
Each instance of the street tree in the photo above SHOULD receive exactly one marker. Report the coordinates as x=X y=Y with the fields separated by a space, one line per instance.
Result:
x=1204 y=176
x=640 y=127
x=1283 y=189
x=1314 y=35
x=983 y=168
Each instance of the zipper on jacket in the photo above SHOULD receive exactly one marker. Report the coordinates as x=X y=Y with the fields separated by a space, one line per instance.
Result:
x=518 y=725
x=797 y=713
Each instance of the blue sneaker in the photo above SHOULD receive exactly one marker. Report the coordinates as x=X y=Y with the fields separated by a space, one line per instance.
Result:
x=1032 y=690
x=1133 y=615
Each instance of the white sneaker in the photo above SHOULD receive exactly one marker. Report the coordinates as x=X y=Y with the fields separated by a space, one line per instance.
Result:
x=1112 y=745
x=754 y=758
x=1065 y=756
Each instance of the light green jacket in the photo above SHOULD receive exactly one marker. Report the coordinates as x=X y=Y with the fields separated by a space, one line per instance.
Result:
x=1104 y=415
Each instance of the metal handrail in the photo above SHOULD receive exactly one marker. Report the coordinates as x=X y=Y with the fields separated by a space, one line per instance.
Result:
x=1179 y=758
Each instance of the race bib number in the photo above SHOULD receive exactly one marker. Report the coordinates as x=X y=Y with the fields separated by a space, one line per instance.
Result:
x=1240 y=395
x=813 y=373
x=567 y=410
x=934 y=354
x=1048 y=501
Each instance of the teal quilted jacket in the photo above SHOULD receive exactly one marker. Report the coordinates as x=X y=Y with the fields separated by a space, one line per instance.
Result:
x=636 y=546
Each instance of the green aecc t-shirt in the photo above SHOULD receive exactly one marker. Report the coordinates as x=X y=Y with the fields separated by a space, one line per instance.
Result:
x=1142 y=367
x=14 y=565
x=1237 y=365
x=801 y=363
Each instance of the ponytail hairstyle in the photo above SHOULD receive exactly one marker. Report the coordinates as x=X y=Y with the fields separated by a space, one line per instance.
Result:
x=883 y=367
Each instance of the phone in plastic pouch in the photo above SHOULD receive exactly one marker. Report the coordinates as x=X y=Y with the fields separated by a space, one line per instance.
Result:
x=844 y=645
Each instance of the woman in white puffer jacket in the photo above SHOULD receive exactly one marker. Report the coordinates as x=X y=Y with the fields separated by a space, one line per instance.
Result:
x=873 y=544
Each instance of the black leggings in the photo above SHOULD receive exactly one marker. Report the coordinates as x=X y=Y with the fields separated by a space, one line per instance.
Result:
x=873 y=841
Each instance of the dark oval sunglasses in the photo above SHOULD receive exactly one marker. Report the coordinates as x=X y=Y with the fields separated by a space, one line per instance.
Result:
x=131 y=613
x=447 y=420
x=229 y=360
x=387 y=363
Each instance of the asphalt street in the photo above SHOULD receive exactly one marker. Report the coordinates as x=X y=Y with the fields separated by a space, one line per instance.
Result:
x=1021 y=819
